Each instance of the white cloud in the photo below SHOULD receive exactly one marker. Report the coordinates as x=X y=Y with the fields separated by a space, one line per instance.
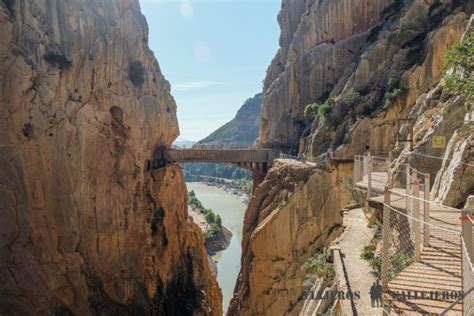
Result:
x=186 y=9
x=202 y=52
x=186 y=86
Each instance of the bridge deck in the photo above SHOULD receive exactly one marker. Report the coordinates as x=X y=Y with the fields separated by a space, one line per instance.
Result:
x=220 y=155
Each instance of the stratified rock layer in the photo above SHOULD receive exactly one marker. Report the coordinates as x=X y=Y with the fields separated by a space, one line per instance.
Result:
x=84 y=228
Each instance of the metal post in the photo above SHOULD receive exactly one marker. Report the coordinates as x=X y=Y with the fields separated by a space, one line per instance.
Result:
x=416 y=221
x=356 y=171
x=467 y=232
x=408 y=180
x=408 y=189
x=386 y=238
x=369 y=177
x=389 y=171
x=426 y=212
x=414 y=179
x=365 y=166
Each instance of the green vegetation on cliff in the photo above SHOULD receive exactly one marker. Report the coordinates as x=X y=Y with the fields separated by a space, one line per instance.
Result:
x=322 y=265
x=460 y=79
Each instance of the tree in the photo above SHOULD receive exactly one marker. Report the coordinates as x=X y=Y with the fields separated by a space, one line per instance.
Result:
x=210 y=216
x=324 y=109
x=351 y=98
x=218 y=221
x=311 y=110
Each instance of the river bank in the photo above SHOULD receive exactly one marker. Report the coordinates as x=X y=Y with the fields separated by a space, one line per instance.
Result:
x=230 y=186
x=231 y=209
x=213 y=245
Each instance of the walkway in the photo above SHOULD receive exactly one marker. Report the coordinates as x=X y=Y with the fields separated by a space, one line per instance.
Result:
x=352 y=271
x=422 y=252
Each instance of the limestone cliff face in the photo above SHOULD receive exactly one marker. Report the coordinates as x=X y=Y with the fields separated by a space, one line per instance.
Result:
x=84 y=228
x=439 y=112
x=292 y=214
x=388 y=52
x=319 y=40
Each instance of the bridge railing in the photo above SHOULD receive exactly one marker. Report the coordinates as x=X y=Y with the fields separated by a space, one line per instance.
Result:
x=216 y=155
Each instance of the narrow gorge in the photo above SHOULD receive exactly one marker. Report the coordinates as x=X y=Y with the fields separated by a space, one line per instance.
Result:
x=85 y=228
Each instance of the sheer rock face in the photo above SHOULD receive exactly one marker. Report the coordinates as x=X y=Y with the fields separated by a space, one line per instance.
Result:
x=83 y=227
x=319 y=40
x=438 y=112
x=292 y=214
x=328 y=48
x=380 y=130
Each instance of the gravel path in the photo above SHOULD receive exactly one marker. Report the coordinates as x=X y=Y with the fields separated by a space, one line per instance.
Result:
x=354 y=271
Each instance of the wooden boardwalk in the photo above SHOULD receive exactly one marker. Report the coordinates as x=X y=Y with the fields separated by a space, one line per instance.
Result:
x=432 y=280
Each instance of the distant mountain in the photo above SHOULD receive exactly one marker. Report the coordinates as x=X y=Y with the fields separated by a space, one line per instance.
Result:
x=242 y=131
x=183 y=143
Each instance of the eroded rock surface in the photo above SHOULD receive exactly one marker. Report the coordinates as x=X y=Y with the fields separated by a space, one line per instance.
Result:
x=84 y=228
x=388 y=52
x=293 y=213
x=319 y=40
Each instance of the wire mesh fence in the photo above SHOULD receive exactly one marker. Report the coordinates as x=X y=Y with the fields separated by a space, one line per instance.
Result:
x=426 y=254
x=467 y=281
x=421 y=261
x=421 y=268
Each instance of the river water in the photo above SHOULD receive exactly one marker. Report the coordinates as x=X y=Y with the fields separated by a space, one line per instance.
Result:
x=232 y=211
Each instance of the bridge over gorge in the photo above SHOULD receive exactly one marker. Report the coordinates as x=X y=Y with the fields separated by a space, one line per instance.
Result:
x=427 y=248
x=256 y=160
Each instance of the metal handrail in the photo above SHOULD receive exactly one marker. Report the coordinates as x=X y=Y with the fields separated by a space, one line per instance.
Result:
x=457 y=232
x=398 y=193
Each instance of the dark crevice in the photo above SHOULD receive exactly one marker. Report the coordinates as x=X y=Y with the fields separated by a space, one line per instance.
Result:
x=9 y=5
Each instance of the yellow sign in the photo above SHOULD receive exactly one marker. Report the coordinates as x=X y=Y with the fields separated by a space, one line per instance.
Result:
x=439 y=142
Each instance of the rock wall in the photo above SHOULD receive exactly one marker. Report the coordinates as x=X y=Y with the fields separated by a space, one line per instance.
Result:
x=383 y=60
x=319 y=40
x=84 y=228
x=292 y=214
x=388 y=52
x=439 y=112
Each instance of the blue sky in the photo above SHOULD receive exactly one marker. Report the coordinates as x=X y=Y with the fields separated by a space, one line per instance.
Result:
x=214 y=53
